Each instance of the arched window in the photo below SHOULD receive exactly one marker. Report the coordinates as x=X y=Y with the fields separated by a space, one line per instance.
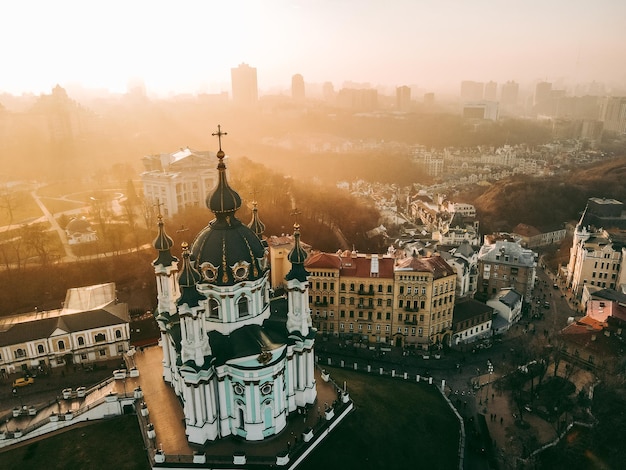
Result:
x=242 y=307
x=100 y=337
x=214 y=308
x=118 y=334
x=81 y=341
x=40 y=349
x=61 y=345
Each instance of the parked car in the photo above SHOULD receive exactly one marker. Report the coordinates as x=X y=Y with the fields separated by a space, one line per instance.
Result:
x=23 y=381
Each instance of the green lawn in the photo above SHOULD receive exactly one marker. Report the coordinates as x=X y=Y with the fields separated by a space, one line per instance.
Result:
x=395 y=424
x=113 y=443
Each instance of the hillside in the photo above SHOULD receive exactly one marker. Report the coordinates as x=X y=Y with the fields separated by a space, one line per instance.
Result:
x=547 y=203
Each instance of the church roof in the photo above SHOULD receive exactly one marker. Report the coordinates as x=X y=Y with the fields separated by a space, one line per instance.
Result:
x=163 y=244
x=297 y=256
x=21 y=332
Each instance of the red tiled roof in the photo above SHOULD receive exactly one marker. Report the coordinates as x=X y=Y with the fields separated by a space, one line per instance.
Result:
x=361 y=267
x=433 y=264
x=322 y=260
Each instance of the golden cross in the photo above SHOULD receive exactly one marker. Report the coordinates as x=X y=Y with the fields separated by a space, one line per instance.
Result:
x=219 y=135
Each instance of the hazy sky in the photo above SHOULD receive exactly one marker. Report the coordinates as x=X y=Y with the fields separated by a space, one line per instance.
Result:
x=190 y=46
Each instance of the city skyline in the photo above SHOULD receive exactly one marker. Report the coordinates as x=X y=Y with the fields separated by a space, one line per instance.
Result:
x=432 y=45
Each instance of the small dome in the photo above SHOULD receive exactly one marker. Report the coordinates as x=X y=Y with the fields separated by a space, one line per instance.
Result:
x=78 y=225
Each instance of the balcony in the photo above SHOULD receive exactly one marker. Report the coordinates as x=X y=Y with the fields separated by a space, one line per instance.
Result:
x=410 y=322
x=320 y=304
x=411 y=309
x=366 y=292
x=363 y=306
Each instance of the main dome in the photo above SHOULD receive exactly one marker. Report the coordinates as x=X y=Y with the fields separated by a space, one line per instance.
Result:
x=226 y=251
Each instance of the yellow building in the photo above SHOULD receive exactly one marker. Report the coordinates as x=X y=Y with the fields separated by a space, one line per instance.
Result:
x=424 y=294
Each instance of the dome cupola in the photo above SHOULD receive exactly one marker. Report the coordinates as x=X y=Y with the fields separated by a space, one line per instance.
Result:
x=227 y=251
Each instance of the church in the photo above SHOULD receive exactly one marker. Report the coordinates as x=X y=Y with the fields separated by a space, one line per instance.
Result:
x=239 y=360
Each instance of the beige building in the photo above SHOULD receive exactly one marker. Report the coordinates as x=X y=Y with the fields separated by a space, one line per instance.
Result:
x=90 y=327
x=177 y=180
x=596 y=256
x=424 y=294
x=370 y=298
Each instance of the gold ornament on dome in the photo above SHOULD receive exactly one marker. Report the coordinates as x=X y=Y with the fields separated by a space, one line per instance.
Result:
x=209 y=272
x=265 y=356
x=240 y=270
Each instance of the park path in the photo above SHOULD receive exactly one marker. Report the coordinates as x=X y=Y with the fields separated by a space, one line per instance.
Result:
x=69 y=254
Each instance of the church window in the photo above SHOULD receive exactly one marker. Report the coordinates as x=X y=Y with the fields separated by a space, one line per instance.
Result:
x=266 y=388
x=118 y=334
x=242 y=307
x=81 y=341
x=40 y=349
x=238 y=389
x=214 y=308
x=61 y=345
x=19 y=352
x=100 y=337
x=102 y=352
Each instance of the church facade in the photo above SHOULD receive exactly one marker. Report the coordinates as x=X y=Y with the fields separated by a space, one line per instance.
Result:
x=239 y=360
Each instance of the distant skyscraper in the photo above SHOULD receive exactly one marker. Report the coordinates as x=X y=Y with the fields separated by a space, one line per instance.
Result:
x=244 y=84
x=329 y=91
x=491 y=91
x=613 y=113
x=472 y=91
x=297 y=87
x=509 y=93
x=543 y=95
x=429 y=99
x=403 y=98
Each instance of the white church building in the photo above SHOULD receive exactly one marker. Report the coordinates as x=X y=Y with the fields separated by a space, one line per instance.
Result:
x=239 y=361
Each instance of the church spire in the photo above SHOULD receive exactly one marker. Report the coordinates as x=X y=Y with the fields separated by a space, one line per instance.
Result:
x=163 y=244
x=255 y=224
x=297 y=256
x=187 y=280
x=224 y=201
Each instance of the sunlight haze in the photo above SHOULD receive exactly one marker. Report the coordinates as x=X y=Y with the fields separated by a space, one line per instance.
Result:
x=190 y=46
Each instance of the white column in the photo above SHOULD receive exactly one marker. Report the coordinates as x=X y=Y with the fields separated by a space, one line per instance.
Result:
x=197 y=399
x=190 y=414
x=223 y=409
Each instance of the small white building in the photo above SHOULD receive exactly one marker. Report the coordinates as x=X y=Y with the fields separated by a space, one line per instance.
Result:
x=91 y=327
x=471 y=321
x=79 y=230
x=508 y=305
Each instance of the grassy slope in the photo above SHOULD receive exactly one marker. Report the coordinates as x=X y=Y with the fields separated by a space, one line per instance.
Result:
x=84 y=447
x=395 y=425
x=547 y=202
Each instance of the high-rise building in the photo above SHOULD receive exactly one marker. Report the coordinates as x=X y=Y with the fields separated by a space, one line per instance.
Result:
x=543 y=95
x=472 y=91
x=244 y=85
x=509 y=93
x=328 y=90
x=613 y=113
x=297 y=87
x=403 y=98
x=491 y=91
